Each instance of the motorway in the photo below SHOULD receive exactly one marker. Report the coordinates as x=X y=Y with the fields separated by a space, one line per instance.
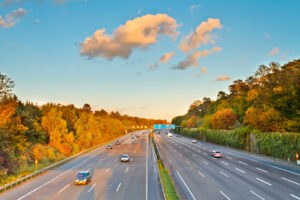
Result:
x=111 y=179
x=238 y=175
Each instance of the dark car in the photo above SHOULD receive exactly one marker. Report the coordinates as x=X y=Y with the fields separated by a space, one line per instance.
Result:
x=118 y=142
x=132 y=137
x=109 y=147
x=134 y=142
x=83 y=177
x=124 y=158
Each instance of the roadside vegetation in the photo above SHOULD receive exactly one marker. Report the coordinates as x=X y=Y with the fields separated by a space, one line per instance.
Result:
x=260 y=114
x=169 y=189
x=51 y=132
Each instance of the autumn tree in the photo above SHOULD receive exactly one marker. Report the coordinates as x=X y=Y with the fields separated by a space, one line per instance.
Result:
x=223 y=119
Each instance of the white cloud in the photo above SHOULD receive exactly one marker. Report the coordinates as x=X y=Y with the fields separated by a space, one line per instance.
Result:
x=274 y=51
x=223 y=78
x=12 y=18
x=202 y=35
x=193 y=7
x=138 y=33
x=154 y=66
x=191 y=60
x=166 y=57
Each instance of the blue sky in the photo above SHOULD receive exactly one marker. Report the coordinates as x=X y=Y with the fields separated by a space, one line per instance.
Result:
x=41 y=42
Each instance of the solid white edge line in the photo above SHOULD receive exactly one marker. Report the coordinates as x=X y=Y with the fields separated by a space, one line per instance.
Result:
x=118 y=187
x=292 y=195
x=284 y=170
x=262 y=170
x=264 y=181
x=92 y=187
x=62 y=189
x=257 y=195
x=224 y=195
x=186 y=186
x=225 y=163
x=290 y=181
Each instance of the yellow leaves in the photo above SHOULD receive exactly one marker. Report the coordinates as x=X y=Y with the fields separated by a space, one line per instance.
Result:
x=252 y=95
x=277 y=90
x=6 y=113
x=223 y=119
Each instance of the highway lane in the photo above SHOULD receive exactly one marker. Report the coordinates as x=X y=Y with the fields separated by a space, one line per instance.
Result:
x=237 y=175
x=111 y=179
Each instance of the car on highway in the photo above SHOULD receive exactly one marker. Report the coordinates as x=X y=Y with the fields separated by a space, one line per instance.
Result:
x=216 y=154
x=194 y=141
x=83 y=178
x=124 y=158
x=118 y=142
x=134 y=142
x=132 y=137
x=170 y=135
x=109 y=146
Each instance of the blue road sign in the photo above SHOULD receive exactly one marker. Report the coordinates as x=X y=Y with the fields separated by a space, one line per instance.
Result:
x=164 y=126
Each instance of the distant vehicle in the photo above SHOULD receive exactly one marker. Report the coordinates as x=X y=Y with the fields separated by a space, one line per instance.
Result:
x=170 y=135
x=124 y=158
x=194 y=141
x=134 y=142
x=83 y=177
x=118 y=142
x=109 y=147
x=132 y=137
x=216 y=154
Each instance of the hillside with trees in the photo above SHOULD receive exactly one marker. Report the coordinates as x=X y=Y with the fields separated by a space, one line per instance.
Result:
x=51 y=132
x=268 y=101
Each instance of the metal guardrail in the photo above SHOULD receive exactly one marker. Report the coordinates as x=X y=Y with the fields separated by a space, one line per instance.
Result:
x=29 y=176
x=162 y=187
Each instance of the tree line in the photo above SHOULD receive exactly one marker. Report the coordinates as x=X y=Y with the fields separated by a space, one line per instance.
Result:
x=51 y=132
x=268 y=101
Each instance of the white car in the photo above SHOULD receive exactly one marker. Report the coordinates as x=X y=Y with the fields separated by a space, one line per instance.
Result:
x=216 y=154
x=124 y=158
x=194 y=141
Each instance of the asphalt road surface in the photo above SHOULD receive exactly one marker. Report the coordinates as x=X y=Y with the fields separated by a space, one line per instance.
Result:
x=237 y=175
x=111 y=179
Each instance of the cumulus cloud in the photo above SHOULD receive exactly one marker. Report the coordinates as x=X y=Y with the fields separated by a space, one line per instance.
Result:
x=203 y=70
x=12 y=18
x=193 y=7
x=166 y=57
x=137 y=33
x=202 y=35
x=191 y=60
x=274 y=51
x=223 y=78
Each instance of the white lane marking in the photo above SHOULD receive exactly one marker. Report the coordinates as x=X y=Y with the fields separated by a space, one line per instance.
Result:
x=188 y=162
x=290 y=181
x=225 y=163
x=201 y=174
x=32 y=191
x=223 y=174
x=62 y=189
x=243 y=162
x=106 y=170
x=240 y=170
x=126 y=169
x=118 y=187
x=261 y=170
x=229 y=157
x=224 y=195
x=292 y=195
x=186 y=186
x=265 y=182
x=205 y=162
x=284 y=170
x=92 y=187
x=257 y=195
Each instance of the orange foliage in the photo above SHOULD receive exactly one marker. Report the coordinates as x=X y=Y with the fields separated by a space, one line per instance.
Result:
x=223 y=119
